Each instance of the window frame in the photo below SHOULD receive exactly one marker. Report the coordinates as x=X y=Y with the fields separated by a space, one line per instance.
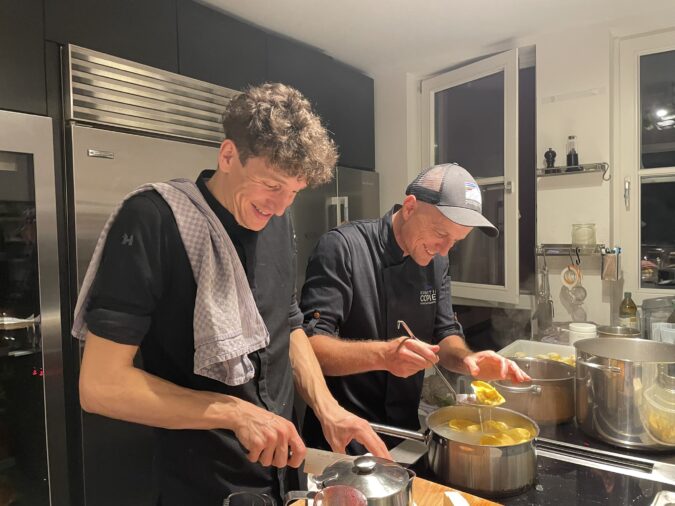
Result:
x=507 y=63
x=627 y=137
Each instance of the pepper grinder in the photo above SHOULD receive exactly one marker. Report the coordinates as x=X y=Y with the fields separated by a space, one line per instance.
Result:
x=549 y=156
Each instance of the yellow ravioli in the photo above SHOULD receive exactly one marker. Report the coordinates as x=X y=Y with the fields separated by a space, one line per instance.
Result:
x=460 y=424
x=495 y=426
x=518 y=434
x=500 y=439
x=486 y=394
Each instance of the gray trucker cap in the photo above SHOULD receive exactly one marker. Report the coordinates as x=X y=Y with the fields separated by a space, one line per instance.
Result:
x=455 y=193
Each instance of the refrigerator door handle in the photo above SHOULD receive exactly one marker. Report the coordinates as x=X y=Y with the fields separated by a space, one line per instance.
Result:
x=343 y=216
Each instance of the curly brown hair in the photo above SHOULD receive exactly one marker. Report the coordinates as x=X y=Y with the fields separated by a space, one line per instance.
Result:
x=277 y=122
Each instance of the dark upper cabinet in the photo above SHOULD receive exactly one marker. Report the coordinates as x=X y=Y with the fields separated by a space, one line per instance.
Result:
x=342 y=96
x=143 y=31
x=216 y=48
x=22 y=60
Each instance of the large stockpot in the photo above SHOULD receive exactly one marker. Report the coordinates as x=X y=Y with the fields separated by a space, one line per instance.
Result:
x=549 y=398
x=612 y=376
x=485 y=470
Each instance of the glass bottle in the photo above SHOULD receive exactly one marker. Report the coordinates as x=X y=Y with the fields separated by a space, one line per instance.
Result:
x=572 y=155
x=628 y=312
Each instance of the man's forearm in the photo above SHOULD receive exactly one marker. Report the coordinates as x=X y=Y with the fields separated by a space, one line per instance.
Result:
x=452 y=353
x=340 y=357
x=139 y=397
x=308 y=376
x=110 y=385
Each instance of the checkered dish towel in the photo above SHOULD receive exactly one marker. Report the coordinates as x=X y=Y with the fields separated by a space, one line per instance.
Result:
x=227 y=324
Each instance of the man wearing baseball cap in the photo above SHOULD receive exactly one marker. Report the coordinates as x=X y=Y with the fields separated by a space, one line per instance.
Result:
x=366 y=275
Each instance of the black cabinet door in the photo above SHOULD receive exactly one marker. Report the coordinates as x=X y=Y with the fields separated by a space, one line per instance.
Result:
x=216 y=48
x=143 y=31
x=342 y=96
x=22 y=56
x=352 y=115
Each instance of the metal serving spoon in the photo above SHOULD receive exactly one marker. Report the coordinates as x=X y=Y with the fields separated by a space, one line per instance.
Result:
x=401 y=323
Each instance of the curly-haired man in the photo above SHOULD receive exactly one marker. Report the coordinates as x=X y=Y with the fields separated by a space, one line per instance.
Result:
x=223 y=420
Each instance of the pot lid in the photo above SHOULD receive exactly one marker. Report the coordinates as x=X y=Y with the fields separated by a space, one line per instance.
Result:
x=373 y=476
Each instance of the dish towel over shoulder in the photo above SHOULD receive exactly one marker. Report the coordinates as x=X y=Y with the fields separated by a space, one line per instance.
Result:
x=227 y=324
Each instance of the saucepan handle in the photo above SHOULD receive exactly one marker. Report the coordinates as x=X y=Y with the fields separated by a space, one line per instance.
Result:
x=600 y=367
x=530 y=389
x=388 y=430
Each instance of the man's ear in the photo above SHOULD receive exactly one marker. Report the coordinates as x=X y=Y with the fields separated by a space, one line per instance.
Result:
x=227 y=155
x=409 y=205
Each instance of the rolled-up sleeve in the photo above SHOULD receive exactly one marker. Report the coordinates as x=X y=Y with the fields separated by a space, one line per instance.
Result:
x=128 y=283
x=327 y=294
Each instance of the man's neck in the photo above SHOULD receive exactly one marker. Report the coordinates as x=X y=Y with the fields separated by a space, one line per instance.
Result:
x=396 y=225
x=216 y=186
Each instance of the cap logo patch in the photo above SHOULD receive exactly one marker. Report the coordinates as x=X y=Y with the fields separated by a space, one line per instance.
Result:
x=472 y=194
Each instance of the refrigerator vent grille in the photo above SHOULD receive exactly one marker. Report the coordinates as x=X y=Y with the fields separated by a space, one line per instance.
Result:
x=107 y=90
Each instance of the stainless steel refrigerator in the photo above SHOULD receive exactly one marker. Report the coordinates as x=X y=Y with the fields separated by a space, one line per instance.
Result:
x=129 y=124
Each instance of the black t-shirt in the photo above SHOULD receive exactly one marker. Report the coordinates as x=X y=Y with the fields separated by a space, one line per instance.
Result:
x=358 y=285
x=144 y=294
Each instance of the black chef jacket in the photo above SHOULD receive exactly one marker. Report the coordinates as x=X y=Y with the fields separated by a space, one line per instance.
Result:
x=144 y=294
x=358 y=285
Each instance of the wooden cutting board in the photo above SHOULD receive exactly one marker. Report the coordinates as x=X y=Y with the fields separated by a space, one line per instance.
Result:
x=428 y=493
x=425 y=493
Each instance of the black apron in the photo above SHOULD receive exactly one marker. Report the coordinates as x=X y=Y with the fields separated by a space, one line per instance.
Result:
x=379 y=396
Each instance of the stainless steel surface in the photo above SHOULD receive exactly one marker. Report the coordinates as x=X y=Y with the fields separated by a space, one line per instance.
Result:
x=99 y=184
x=23 y=133
x=607 y=461
x=384 y=483
x=549 y=398
x=401 y=323
x=484 y=470
x=107 y=90
x=612 y=376
x=353 y=195
x=617 y=331
x=138 y=160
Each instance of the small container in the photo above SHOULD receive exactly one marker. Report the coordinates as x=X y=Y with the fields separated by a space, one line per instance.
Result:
x=572 y=154
x=580 y=331
x=658 y=408
x=618 y=331
x=583 y=234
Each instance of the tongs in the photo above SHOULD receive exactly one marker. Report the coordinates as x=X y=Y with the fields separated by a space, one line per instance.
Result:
x=401 y=323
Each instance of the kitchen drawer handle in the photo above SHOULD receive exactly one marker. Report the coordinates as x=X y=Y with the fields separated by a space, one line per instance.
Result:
x=531 y=389
x=600 y=367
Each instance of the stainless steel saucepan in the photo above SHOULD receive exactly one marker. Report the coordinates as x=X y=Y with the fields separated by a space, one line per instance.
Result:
x=485 y=470
x=548 y=398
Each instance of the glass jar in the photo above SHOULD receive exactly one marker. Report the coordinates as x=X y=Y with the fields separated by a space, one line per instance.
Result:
x=583 y=234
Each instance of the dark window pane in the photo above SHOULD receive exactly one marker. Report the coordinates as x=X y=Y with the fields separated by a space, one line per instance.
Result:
x=469 y=126
x=657 y=232
x=479 y=258
x=657 y=105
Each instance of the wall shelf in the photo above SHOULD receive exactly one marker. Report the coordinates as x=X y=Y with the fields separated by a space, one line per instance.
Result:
x=557 y=250
x=577 y=169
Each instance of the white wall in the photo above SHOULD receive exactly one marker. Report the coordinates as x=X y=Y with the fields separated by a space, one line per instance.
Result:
x=574 y=87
